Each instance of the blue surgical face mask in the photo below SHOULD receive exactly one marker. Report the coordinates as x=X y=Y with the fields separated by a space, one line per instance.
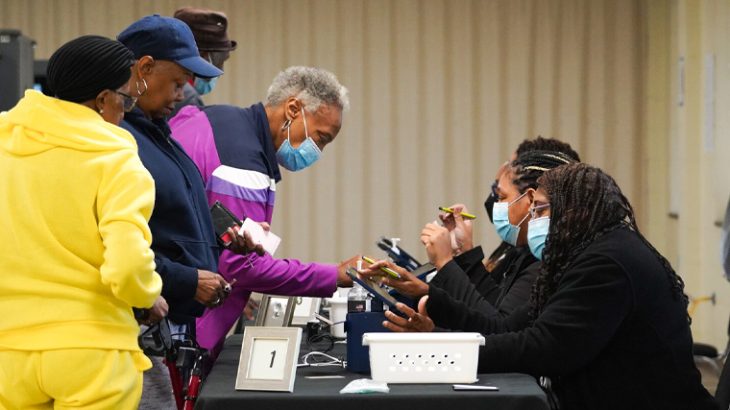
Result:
x=537 y=232
x=500 y=217
x=204 y=85
x=296 y=159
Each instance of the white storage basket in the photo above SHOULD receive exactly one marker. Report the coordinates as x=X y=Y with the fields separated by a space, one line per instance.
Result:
x=423 y=357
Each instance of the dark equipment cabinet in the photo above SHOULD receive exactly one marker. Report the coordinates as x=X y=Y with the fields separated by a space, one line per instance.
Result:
x=16 y=67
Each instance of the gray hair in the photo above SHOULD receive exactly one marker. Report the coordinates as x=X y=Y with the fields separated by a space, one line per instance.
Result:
x=312 y=86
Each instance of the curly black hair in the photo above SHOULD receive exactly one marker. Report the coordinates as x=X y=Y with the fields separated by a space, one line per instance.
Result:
x=585 y=203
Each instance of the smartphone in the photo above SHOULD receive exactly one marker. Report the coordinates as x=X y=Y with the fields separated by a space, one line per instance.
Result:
x=222 y=220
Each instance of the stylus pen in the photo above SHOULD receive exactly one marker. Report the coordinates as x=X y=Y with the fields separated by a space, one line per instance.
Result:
x=451 y=211
x=389 y=271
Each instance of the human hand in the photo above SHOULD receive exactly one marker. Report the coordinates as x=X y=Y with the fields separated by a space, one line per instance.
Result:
x=251 y=305
x=343 y=279
x=154 y=314
x=408 y=284
x=212 y=289
x=244 y=244
x=158 y=311
x=462 y=236
x=437 y=241
x=413 y=322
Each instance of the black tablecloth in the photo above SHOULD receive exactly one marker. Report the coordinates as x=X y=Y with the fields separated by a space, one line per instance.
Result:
x=516 y=391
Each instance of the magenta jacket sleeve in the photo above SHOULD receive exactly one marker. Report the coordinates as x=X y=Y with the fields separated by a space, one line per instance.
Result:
x=286 y=277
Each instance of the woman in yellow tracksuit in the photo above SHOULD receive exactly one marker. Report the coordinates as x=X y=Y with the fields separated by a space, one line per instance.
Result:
x=75 y=251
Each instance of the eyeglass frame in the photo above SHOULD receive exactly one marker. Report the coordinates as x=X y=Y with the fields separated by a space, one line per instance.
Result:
x=533 y=209
x=126 y=97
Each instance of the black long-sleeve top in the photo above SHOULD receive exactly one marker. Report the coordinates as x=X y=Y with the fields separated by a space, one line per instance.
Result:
x=613 y=335
x=457 y=278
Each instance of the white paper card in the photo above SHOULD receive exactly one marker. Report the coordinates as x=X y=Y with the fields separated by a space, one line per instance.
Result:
x=268 y=240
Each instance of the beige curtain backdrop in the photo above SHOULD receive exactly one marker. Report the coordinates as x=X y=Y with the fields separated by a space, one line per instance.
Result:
x=442 y=91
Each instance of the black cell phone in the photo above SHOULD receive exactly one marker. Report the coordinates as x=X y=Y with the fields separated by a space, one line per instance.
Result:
x=222 y=220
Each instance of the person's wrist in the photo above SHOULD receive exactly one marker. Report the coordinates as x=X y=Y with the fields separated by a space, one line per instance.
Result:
x=341 y=279
x=467 y=246
x=441 y=262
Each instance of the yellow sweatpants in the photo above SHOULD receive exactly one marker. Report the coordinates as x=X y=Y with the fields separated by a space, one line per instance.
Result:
x=71 y=379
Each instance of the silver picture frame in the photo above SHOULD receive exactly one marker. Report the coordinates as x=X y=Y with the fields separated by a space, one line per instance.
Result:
x=275 y=311
x=304 y=310
x=268 y=360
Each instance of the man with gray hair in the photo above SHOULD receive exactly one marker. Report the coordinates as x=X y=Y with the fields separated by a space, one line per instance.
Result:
x=238 y=151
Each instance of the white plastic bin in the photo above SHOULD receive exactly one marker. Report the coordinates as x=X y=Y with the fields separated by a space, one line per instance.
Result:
x=424 y=357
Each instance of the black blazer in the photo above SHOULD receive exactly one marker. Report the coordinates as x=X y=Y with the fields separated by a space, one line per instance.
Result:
x=613 y=336
x=456 y=279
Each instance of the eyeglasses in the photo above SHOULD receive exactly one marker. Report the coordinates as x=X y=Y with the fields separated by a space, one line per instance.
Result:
x=534 y=210
x=129 y=101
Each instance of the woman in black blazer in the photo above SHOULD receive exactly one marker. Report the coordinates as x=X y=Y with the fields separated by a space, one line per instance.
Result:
x=607 y=319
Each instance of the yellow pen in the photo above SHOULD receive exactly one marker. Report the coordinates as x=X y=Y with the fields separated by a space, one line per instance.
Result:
x=389 y=271
x=451 y=211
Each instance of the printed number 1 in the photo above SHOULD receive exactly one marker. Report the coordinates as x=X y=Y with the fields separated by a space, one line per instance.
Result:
x=273 y=355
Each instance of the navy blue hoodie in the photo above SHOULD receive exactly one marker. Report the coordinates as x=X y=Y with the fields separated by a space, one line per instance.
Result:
x=182 y=231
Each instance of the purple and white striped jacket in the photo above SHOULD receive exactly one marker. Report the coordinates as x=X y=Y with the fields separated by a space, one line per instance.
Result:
x=234 y=152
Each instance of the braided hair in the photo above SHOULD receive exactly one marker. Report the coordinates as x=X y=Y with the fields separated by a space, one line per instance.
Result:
x=82 y=68
x=529 y=166
x=585 y=203
x=547 y=144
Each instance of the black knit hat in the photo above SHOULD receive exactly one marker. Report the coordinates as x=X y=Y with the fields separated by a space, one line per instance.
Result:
x=82 y=68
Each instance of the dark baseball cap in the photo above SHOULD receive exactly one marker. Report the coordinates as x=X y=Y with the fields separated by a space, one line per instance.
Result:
x=167 y=38
x=209 y=28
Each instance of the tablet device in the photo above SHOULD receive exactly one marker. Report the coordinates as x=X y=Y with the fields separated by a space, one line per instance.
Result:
x=423 y=271
x=399 y=256
x=373 y=287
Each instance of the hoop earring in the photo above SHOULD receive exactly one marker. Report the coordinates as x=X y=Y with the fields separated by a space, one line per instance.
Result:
x=136 y=84
x=286 y=125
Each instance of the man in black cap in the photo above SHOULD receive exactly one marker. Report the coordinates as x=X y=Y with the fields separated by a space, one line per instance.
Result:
x=209 y=28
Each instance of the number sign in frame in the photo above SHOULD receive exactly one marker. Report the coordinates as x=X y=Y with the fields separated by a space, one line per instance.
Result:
x=268 y=358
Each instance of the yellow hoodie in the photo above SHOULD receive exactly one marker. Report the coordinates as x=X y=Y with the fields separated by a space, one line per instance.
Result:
x=75 y=250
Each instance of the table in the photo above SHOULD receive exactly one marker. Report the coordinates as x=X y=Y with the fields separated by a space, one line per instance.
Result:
x=516 y=391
